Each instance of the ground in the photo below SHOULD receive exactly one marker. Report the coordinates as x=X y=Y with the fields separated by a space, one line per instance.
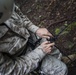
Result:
x=54 y=15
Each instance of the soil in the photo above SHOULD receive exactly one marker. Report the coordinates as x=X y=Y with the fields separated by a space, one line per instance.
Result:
x=54 y=14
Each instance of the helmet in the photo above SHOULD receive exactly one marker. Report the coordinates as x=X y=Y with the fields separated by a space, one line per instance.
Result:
x=6 y=9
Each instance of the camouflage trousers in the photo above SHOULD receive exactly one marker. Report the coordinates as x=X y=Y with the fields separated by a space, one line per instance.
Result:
x=51 y=64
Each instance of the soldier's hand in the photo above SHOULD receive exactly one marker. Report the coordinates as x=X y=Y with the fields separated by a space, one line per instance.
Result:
x=43 y=33
x=47 y=46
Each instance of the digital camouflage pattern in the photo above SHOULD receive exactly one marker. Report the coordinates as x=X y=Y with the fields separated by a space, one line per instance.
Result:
x=13 y=41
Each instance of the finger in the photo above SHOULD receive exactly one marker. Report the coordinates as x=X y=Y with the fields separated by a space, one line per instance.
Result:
x=52 y=44
x=48 y=50
x=49 y=34
x=46 y=36
x=49 y=45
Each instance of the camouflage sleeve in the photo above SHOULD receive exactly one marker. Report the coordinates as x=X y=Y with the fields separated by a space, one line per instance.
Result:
x=27 y=23
x=20 y=65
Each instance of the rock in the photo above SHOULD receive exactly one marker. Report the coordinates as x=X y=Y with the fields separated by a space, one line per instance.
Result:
x=66 y=60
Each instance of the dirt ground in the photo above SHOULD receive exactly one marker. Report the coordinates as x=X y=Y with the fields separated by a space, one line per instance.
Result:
x=54 y=15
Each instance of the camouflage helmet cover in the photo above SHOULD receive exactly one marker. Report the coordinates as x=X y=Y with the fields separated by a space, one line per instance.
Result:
x=6 y=8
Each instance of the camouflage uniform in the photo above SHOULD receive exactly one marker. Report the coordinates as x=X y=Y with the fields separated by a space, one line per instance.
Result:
x=13 y=41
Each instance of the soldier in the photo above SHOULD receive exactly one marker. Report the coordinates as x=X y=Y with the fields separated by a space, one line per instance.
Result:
x=16 y=57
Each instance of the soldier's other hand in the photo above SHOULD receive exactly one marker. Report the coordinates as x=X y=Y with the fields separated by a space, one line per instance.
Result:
x=47 y=46
x=43 y=33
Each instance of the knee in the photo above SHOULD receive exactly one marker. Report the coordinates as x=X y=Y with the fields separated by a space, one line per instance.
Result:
x=54 y=66
x=64 y=70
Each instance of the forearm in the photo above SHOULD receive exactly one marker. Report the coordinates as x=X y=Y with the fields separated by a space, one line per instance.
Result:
x=21 y=65
x=30 y=26
x=26 y=22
